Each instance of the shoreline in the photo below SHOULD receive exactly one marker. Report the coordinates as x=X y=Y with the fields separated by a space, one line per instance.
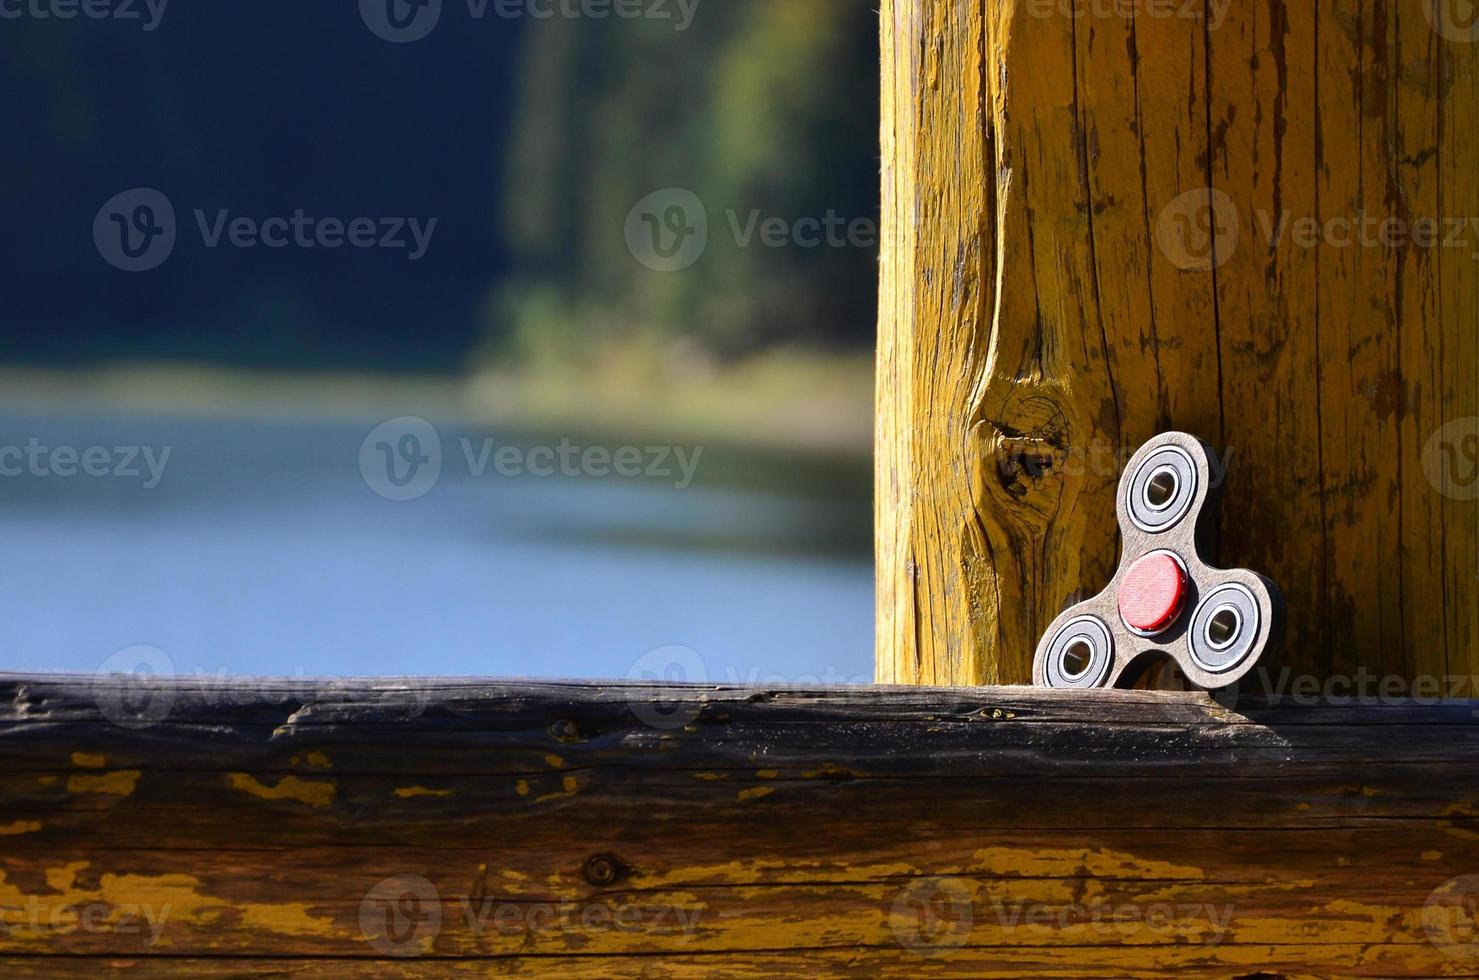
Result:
x=786 y=404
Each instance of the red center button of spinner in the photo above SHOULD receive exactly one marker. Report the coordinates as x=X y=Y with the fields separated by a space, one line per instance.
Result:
x=1151 y=595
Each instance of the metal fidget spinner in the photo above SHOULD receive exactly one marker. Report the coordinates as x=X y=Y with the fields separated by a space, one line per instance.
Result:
x=1165 y=600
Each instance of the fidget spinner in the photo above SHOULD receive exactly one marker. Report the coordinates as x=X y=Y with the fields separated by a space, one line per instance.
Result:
x=1166 y=600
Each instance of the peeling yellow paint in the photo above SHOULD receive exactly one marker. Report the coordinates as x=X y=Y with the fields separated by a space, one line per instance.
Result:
x=767 y=774
x=19 y=827
x=756 y=793
x=410 y=792
x=86 y=760
x=1432 y=855
x=313 y=760
x=554 y=762
x=291 y=918
x=120 y=783
x=318 y=794
x=177 y=896
x=62 y=879
x=522 y=787
x=570 y=785
x=710 y=777
x=791 y=870
x=1449 y=827
x=832 y=770
x=1095 y=862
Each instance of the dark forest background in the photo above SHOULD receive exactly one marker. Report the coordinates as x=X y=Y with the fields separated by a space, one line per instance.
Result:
x=529 y=140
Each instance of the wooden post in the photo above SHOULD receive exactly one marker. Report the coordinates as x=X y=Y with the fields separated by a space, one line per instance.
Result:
x=1257 y=221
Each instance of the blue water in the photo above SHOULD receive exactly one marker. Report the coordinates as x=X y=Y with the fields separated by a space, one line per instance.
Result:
x=262 y=550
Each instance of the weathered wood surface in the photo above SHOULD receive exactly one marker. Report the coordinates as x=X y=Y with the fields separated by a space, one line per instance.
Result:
x=1103 y=226
x=613 y=831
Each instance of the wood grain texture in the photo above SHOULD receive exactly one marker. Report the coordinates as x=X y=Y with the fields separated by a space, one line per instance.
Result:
x=1100 y=227
x=586 y=831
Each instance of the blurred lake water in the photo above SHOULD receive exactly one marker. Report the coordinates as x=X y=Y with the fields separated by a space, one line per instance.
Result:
x=263 y=550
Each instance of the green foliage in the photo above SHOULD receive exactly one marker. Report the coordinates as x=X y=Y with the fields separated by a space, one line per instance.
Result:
x=763 y=108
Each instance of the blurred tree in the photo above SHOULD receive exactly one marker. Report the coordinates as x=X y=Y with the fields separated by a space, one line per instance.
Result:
x=763 y=106
x=765 y=109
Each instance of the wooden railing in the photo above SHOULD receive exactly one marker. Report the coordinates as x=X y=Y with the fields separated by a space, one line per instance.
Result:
x=429 y=829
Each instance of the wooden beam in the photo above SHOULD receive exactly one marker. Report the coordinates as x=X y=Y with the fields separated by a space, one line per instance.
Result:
x=574 y=830
x=1100 y=227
